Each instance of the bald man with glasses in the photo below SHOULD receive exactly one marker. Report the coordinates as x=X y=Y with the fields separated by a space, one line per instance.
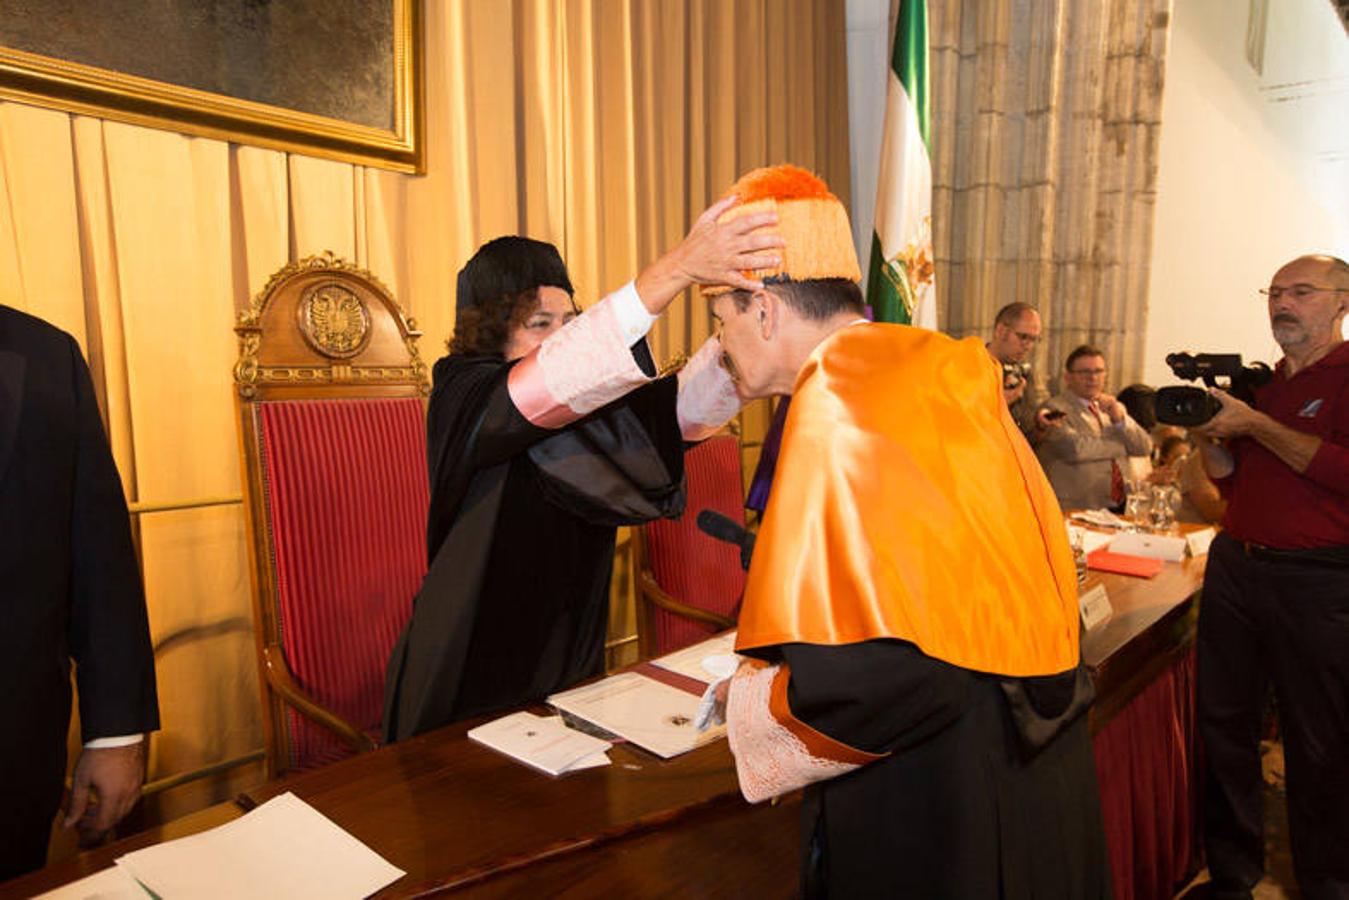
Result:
x=1085 y=456
x=1276 y=593
x=1016 y=331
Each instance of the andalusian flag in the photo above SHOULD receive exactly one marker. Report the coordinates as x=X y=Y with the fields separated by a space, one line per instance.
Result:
x=899 y=283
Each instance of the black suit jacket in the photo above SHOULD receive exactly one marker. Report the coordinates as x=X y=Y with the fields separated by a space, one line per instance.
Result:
x=70 y=590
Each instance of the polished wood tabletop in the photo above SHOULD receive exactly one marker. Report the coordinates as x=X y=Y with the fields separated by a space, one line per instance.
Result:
x=457 y=816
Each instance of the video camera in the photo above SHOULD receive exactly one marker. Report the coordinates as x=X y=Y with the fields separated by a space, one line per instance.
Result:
x=1191 y=406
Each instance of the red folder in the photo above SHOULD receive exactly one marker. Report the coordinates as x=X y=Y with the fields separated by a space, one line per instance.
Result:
x=1123 y=563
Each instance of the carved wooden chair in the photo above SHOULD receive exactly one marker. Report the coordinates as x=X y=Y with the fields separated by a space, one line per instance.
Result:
x=331 y=401
x=689 y=584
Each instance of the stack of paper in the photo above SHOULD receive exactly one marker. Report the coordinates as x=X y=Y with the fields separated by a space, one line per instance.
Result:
x=1102 y=518
x=543 y=743
x=651 y=715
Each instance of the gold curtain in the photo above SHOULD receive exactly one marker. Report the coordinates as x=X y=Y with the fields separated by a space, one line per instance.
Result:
x=604 y=126
x=1045 y=123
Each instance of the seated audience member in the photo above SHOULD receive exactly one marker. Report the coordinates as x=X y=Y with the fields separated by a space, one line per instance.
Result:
x=1200 y=501
x=1140 y=402
x=546 y=430
x=922 y=682
x=70 y=592
x=1168 y=456
x=1086 y=456
x=1016 y=331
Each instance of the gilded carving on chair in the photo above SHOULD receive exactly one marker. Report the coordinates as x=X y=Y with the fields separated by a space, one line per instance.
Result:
x=331 y=304
x=333 y=320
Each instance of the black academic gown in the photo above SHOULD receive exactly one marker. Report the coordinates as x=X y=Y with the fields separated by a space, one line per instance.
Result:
x=521 y=536
x=989 y=791
x=69 y=586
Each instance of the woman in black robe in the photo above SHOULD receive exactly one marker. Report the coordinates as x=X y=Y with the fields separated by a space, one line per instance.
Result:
x=546 y=429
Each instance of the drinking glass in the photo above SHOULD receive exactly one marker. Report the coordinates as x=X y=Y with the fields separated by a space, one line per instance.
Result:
x=1138 y=500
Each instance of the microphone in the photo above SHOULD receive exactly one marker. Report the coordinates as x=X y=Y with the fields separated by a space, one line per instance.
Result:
x=715 y=525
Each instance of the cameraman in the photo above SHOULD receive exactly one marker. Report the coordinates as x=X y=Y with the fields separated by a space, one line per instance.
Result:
x=1276 y=593
x=1016 y=331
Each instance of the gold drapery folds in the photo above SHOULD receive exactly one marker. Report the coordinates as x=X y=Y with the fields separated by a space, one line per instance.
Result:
x=1045 y=121
x=604 y=126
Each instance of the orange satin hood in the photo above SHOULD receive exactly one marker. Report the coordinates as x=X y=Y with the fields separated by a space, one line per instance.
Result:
x=903 y=511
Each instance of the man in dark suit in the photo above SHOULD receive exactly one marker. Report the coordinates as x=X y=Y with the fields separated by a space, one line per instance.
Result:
x=69 y=591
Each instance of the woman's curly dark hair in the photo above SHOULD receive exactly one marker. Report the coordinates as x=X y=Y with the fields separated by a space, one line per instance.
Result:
x=498 y=289
x=485 y=328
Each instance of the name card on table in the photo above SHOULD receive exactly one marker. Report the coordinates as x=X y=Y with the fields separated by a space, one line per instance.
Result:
x=1153 y=546
x=1199 y=540
x=1095 y=607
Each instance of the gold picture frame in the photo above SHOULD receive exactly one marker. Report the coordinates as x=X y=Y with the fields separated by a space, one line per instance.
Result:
x=77 y=87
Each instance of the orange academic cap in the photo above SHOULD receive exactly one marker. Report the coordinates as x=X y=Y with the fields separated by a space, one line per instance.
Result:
x=811 y=220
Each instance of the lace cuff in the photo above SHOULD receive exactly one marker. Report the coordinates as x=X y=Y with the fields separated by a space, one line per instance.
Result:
x=774 y=751
x=707 y=397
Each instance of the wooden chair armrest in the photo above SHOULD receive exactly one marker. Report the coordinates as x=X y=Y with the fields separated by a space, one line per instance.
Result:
x=281 y=680
x=657 y=595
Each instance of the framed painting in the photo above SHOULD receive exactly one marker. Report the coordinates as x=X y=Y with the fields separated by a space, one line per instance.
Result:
x=340 y=79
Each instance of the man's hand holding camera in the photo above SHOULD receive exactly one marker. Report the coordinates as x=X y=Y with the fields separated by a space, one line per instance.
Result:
x=1235 y=419
x=1238 y=419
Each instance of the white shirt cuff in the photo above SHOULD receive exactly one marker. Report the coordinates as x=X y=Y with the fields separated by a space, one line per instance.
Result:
x=120 y=740
x=633 y=319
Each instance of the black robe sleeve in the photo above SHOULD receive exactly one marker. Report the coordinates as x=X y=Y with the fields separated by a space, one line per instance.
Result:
x=879 y=696
x=109 y=630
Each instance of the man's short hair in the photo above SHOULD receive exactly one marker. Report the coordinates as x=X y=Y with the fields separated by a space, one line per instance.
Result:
x=1079 y=352
x=1010 y=314
x=816 y=299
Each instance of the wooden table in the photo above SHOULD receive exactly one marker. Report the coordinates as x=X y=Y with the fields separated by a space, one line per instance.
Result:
x=1152 y=626
x=459 y=817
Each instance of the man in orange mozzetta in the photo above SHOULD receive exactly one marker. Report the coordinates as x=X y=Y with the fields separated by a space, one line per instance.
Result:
x=911 y=611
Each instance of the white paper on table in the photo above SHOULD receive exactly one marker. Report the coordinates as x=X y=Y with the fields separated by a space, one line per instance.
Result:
x=1199 y=541
x=113 y=883
x=284 y=848
x=1154 y=546
x=651 y=715
x=542 y=742
x=689 y=661
x=1091 y=540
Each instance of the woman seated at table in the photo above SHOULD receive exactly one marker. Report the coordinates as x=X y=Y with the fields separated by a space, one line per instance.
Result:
x=546 y=429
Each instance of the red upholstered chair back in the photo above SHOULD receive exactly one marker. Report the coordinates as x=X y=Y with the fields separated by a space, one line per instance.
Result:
x=346 y=496
x=685 y=565
x=332 y=426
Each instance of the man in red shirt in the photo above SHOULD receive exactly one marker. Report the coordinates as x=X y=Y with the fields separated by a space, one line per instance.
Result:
x=1276 y=593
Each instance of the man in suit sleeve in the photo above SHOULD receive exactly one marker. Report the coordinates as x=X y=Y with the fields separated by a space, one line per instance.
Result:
x=70 y=593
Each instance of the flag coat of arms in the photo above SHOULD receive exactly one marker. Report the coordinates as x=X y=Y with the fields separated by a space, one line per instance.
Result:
x=900 y=277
